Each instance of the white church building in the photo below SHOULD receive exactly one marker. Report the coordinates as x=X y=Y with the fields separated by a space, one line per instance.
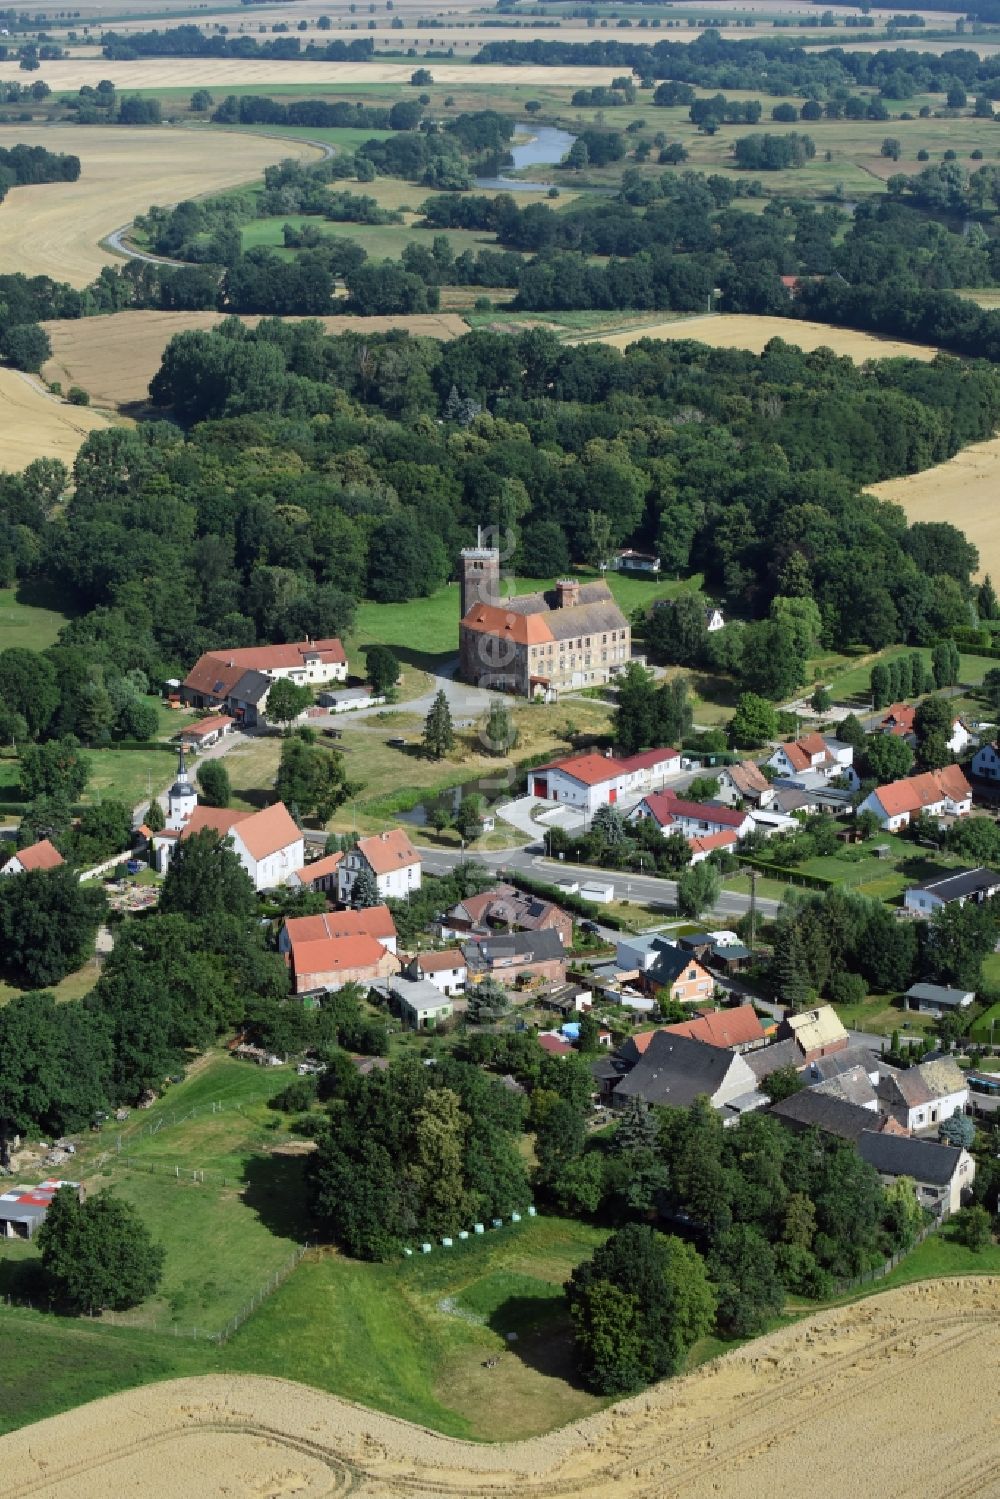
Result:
x=268 y=844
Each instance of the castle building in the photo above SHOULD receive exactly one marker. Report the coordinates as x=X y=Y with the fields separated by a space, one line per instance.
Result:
x=537 y=644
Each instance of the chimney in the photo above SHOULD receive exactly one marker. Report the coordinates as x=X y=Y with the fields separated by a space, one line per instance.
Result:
x=567 y=593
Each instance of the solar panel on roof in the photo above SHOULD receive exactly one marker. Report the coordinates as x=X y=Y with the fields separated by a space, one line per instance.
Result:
x=218 y=686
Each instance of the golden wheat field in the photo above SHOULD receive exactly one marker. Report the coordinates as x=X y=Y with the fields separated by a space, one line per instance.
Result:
x=738 y=330
x=55 y=230
x=891 y=1398
x=963 y=491
x=115 y=357
x=205 y=72
x=34 y=424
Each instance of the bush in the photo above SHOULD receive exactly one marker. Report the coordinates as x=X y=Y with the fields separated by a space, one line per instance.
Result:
x=296 y=1098
x=77 y=396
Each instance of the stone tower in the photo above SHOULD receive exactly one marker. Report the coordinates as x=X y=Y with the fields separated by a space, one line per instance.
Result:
x=479 y=575
x=181 y=798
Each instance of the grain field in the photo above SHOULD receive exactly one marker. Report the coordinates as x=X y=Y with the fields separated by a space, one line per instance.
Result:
x=738 y=330
x=963 y=491
x=34 y=424
x=55 y=229
x=877 y=1399
x=115 y=357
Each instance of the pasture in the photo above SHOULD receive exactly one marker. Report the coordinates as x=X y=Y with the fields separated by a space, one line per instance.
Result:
x=35 y=424
x=32 y=625
x=56 y=229
x=114 y=357
x=963 y=490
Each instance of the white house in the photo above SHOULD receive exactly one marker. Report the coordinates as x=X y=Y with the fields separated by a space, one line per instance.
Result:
x=629 y=561
x=826 y=757
x=745 y=782
x=977 y=885
x=714 y=619
x=447 y=970
x=390 y=857
x=694 y=819
x=43 y=855
x=590 y=780
x=321 y=875
x=921 y=1098
x=986 y=762
x=939 y=793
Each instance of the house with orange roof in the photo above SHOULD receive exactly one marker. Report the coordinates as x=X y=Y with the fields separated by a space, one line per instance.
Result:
x=238 y=680
x=695 y=820
x=389 y=857
x=537 y=644
x=205 y=732
x=814 y=757
x=939 y=793
x=590 y=780
x=372 y=921
x=900 y=722
x=41 y=855
x=446 y=970
x=321 y=875
x=331 y=962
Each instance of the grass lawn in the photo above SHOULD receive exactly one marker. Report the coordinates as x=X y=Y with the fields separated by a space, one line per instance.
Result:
x=130 y=776
x=853 y=682
x=941 y=1254
x=73 y=986
x=30 y=625
x=382 y=241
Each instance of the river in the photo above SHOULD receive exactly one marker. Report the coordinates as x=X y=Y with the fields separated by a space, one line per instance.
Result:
x=539 y=146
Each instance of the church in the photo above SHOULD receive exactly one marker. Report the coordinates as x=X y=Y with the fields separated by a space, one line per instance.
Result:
x=268 y=844
x=537 y=644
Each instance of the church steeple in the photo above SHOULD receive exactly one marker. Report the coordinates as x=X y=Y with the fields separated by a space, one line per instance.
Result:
x=182 y=797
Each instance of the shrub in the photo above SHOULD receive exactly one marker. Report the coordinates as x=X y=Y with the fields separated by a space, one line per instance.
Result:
x=77 y=396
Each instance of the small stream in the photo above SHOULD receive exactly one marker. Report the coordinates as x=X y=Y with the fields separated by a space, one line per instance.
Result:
x=531 y=147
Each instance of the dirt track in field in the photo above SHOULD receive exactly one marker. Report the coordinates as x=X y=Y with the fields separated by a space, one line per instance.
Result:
x=891 y=1398
x=115 y=357
x=34 y=424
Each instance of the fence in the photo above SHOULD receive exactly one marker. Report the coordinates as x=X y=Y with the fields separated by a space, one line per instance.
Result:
x=174 y=1329
x=870 y=1277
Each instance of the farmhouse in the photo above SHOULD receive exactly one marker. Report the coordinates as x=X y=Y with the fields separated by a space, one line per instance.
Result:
x=418 y=1003
x=238 y=680
x=537 y=644
x=826 y=758
x=676 y=1070
x=921 y=1098
x=590 y=781
x=505 y=908
x=23 y=1209
x=42 y=855
x=816 y=1032
x=854 y=1085
x=939 y=793
x=389 y=858
x=374 y=921
x=269 y=845
x=935 y=999
x=942 y=1174
x=447 y=970
x=976 y=885
x=744 y=783
x=692 y=819
x=332 y=962
x=321 y=875
x=535 y=954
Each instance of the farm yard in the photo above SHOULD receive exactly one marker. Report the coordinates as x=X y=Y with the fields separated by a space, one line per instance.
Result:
x=755 y=1420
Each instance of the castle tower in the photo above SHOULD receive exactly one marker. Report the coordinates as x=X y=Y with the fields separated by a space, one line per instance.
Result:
x=181 y=798
x=479 y=576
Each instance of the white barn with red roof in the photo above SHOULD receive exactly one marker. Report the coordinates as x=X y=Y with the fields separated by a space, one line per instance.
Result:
x=589 y=781
x=42 y=855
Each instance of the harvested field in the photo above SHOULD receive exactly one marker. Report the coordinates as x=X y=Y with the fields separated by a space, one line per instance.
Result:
x=871 y=1399
x=206 y=72
x=963 y=490
x=56 y=229
x=738 y=330
x=34 y=424
x=115 y=357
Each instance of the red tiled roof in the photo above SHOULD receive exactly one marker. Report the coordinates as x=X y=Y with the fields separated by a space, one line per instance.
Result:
x=796 y=755
x=915 y=792
x=219 y=820
x=590 y=769
x=522 y=629
x=262 y=833
x=666 y=805
x=337 y=955
x=42 y=855
x=899 y=719
x=388 y=851
x=554 y=1046
x=727 y=839
x=213 y=676
x=267 y=658
x=440 y=962
x=205 y=726
x=373 y=921
x=319 y=868
x=647 y=759
x=725 y=1028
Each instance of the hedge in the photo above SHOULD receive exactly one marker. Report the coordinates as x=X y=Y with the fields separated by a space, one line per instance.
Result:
x=568 y=902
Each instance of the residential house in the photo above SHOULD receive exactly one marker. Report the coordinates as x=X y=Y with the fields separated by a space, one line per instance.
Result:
x=629 y=561
x=816 y=1032
x=220 y=681
x=714 y=619
x=744 y=784
x=322 y=875
x=942 y=1174
x=701 y=848
x=737 y=1030
x=447 y=970
x=836 y=1063
x=507 y=909
x=553 y=1044
x=389 y=857
x=268 y=844
x=639 y=953
x=537 y=644
x=900 y=722
x=372 y=921
x=771 y=823
x=507 y=958
x=986 y=762
x=851 y=1086
x=937 y=999
x=42 y=855
x=676 y=1070
x=812 y=1109
x=672 y=813
x=775 y=1057
x=825 y=758
x=939 y=793
x=332 y=962
x=589 y=781
x=977 y=885
x=681 y=976
x=921 y=1098
x=420 y=1004
x=205 y=732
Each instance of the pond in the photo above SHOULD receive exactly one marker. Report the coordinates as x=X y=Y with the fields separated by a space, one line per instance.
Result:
x=490 y=788
x=541 y=146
